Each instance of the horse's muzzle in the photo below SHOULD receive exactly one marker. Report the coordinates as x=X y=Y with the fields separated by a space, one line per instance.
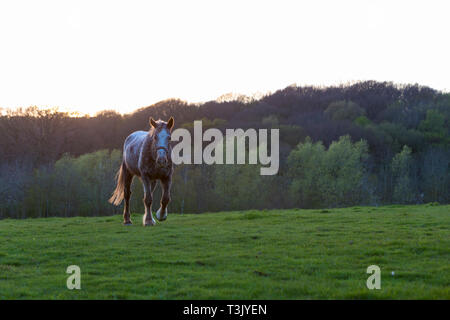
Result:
x=162 y=159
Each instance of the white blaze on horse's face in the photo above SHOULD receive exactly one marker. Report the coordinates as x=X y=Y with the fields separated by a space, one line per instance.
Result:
x=162 y=145
x=161 y=135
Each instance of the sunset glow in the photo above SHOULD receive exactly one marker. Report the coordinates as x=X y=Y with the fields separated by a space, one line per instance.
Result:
x=122 y=55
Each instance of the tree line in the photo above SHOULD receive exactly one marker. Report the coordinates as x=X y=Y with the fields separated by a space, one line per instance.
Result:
x=367 y=143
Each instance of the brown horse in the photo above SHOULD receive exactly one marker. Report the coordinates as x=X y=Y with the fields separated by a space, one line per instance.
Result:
x=148 y=156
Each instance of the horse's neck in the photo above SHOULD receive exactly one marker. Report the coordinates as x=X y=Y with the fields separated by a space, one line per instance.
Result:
x=147 y=150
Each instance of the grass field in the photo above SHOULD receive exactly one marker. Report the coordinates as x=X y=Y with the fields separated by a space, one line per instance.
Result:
x=276 y=254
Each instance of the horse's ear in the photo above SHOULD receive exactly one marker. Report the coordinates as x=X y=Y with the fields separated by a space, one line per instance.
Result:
x=170 y=123
x=153 y=122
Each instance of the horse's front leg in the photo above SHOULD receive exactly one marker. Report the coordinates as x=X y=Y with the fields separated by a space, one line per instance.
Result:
x=148 y=220
x=161 y=214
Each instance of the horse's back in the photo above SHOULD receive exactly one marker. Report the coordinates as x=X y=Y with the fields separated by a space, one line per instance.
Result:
x=131 y=150
x=135 y=137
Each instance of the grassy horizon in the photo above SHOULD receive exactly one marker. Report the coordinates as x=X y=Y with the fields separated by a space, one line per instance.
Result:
x=268 y=254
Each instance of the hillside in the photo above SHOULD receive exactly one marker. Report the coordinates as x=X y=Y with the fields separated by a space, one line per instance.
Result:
x=276 y=254
x=366 y=143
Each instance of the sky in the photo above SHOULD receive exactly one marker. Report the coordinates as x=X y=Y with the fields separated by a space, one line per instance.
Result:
x=122 y=55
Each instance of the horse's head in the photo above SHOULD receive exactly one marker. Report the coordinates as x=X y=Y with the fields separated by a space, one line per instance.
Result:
x=161 y=131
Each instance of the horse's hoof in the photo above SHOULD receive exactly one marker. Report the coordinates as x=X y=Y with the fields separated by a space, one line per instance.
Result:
x=146 y=222
x=128 y=223
x=158 y=215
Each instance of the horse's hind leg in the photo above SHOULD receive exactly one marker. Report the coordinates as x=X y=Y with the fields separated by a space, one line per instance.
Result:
x=127 y=196
x=161 y=214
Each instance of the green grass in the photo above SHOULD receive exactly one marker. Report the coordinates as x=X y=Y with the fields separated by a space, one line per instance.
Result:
x=276 y=254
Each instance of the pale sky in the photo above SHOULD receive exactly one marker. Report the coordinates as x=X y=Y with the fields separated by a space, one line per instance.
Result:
x=122 y=55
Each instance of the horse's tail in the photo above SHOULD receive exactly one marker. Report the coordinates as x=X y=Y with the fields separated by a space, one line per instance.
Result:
x=118 y=193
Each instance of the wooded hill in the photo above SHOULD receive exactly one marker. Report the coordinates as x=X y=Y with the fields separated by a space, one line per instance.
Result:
x=369 y=143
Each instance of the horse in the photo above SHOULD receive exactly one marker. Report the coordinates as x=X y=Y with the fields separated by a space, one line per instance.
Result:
x=146 y=154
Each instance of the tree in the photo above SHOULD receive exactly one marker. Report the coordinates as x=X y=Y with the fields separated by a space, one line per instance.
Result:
x=434 y=128
x=401 y=136
x=305 y=164
x=345 y=171
x=332 y=177
x=344 y=110
x=405 y=189
x=36 y=134
x=362 y=121
x=435 y=182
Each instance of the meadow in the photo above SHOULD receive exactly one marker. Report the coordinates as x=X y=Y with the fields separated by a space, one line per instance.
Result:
x=268 y=254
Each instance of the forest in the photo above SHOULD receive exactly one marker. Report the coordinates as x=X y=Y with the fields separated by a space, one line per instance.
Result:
x=364 y=143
